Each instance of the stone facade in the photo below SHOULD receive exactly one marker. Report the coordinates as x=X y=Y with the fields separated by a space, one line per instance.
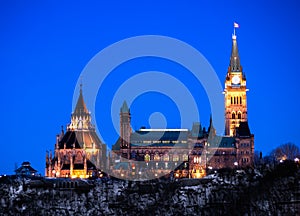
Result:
x=196 y=150
x=79 y=152
x=156 y=152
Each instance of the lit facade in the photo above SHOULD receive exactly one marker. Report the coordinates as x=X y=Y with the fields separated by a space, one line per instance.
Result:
x=191 y=153
x=79 y=153
x=235 y=93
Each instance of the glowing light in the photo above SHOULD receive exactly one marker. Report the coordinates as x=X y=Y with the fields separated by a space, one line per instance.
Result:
x=163 y=130
x=296 y=160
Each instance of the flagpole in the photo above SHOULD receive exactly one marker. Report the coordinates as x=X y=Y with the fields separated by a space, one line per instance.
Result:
x=235 y=25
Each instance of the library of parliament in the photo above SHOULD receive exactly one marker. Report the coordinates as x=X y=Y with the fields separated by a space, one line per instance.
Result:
x=186 y=153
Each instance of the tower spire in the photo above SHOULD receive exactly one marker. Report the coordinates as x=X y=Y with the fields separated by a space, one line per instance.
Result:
x=80 y=118
x=80 y=108
x=124 y=108
x=235 y=64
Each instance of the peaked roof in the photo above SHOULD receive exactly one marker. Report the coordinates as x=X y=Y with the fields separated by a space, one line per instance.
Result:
x=80 y=138
x=243 y=130
x=80 y=106
x=211 y=128
x=197 y=130
x=235 y=63
x=124 y=108
x=25 y=169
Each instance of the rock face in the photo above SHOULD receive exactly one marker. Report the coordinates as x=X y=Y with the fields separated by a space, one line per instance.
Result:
x=232 y=192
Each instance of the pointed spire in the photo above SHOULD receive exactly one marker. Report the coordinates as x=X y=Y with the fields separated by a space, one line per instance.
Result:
x=80 y=106
x=124 y=108
x=235 y=64
x=211 y=128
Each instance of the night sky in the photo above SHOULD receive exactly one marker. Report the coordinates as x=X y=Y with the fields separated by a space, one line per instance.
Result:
x=44 y=46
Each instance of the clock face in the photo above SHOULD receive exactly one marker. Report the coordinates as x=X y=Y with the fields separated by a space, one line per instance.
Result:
x=236 y=79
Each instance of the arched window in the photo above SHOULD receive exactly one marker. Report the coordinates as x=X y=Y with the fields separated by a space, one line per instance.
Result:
x=233 y=115
x=239 y=115
x=240 y=100
x=147 y=157
x=166 y=157
x=156 y=157
x=234 y=100
x=231 y=100
x=185 y=157
x=175 y=157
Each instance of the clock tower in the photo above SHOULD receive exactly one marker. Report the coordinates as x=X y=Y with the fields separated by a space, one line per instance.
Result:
x=235 y=92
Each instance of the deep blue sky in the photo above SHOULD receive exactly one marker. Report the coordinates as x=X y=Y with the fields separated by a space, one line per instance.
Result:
x=45 y=45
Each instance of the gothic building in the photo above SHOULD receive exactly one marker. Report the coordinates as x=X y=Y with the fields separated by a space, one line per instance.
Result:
x=78 y=152
x=188 y=152
x=192 y=152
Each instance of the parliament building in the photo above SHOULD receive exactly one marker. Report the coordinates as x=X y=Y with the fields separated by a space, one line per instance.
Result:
x=183 y=152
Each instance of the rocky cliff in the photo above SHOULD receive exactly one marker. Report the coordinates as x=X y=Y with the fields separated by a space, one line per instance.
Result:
x=261 y=191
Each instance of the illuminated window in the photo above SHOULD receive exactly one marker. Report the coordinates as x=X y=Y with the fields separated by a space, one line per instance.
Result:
x=166 y=157
x=175 y=157
x=156 y=157
x=147 y=157
x=185 y=157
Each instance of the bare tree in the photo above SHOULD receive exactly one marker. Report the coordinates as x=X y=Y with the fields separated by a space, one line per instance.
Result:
x=286 y=151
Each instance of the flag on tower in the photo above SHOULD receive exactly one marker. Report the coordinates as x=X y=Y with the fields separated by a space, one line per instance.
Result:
x=236 y=25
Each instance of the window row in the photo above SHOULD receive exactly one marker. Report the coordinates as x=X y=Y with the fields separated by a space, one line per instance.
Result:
x=245 y=160
x=236 y=100
x=165 y=157
x=238 y=116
